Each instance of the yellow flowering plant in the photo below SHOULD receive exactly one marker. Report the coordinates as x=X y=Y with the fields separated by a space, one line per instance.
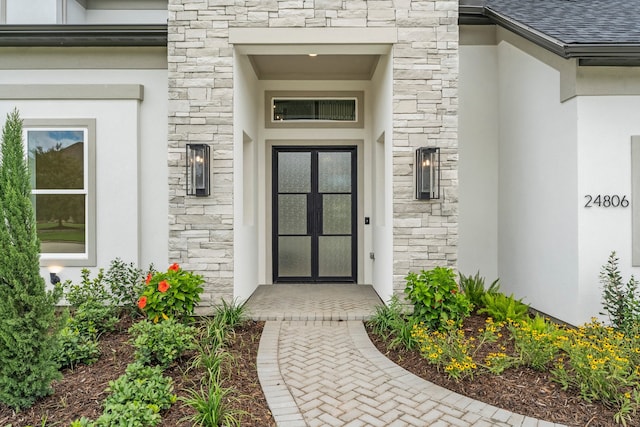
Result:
x=601 y=365
x=536 y=341
x=170 y=294
x=451 y=350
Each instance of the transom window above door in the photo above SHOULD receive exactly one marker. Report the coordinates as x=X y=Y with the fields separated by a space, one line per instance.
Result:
x=314 y=109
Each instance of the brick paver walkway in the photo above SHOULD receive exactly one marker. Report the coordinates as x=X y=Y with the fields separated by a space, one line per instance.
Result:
x=328 y=373
x=318 y=367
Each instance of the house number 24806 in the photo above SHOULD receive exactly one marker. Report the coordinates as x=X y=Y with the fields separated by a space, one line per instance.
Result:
x=606 y=201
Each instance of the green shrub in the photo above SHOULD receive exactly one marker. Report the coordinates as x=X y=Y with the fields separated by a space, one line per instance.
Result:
x=621 y=302
x=76 y=347
x=137 y=397
x=501 y=307
x=87 y=291
x=436 y=298
x=171 y=294
x=28 y=325
x=161 y=343
x=473 y=287
x=126 y=283
x=129 y=414
x=94 y=318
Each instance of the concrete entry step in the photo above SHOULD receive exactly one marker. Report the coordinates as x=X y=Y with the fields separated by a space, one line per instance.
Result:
x=334 y=301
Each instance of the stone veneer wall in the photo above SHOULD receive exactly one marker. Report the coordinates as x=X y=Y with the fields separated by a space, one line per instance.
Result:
x=201 y=110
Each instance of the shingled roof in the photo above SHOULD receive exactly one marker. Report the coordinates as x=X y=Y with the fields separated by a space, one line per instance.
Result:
x=598 y=32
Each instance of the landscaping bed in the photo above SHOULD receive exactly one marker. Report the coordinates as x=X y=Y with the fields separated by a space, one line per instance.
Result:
x=518 y=389
x=81 y=391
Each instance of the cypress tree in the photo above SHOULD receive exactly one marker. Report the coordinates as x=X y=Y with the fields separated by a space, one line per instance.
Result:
x=28 y=327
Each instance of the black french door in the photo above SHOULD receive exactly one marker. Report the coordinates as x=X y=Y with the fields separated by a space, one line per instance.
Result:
x=314 y=214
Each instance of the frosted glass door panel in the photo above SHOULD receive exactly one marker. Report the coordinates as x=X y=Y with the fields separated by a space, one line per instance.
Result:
x=294 y=256
x=336 y=213
x=292 y=214
x=334 y=256
x=334 y=172
x=314 y=214
x=294 y=172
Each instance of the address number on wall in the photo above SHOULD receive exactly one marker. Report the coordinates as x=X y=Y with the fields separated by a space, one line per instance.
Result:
x=606 y=201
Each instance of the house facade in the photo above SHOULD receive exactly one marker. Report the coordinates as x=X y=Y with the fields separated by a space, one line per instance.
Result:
x=312 y=113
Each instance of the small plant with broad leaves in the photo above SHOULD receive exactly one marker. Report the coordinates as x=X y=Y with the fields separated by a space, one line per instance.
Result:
x=170 y=294
x=161 y=343
x=137 y=397
x=621 y=302
x=436 y=297
x=76 y=347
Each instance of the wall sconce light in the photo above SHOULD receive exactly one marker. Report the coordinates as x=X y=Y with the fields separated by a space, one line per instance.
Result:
x=427 y=173
x=53 y=274
x=198 y=170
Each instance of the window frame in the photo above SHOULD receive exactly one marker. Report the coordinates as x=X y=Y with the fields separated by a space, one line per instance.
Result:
x=270 y=96
x=88 y=126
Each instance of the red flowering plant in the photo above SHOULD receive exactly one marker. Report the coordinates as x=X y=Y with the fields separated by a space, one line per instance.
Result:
x=170 y=294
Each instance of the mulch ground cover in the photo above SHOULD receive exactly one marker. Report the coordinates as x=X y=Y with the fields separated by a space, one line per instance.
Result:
x=81 y=391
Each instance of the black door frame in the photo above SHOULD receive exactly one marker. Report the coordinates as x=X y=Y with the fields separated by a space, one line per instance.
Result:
x=314 y=213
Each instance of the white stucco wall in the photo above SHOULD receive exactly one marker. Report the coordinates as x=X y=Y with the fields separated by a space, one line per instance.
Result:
x=31 y=12
x=131 y=158
x=245 y=178
x=478 y=162
x=76 y=14
x=382 y=178
x=537 y=206
x=94 y=17
x=606 y=124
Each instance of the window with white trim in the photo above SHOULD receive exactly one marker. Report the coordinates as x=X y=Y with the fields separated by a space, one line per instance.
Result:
x=61 y=166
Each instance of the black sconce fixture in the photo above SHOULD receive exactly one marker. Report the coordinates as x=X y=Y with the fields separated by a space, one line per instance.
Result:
x=54 y=278
x=198 y=170
x=427 y=173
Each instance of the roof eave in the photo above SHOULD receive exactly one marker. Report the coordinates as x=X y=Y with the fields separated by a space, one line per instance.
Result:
x=472 y=15
x=587 y=53
x=83 y=35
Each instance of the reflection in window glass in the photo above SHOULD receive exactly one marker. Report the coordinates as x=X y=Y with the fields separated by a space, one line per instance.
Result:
x=57 y=167
x=340 y=110
x=61 y=222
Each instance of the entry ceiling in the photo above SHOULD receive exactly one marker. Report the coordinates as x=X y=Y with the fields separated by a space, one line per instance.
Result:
x=320 y=67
